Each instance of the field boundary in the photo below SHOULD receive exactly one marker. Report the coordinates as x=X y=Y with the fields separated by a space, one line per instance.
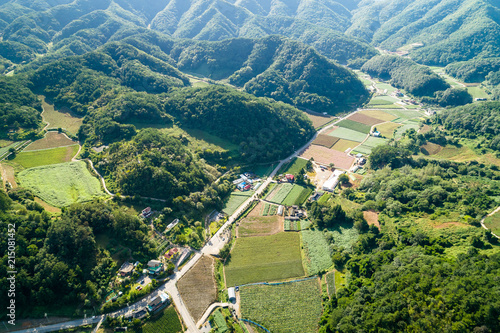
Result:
x=277 y=283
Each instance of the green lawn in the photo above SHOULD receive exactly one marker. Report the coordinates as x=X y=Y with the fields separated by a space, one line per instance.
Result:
x=61 y=184
x=348 y=134
x=317 y=256
x=354 y=125
x=293 y=167
x=235 y=200
x=297 y=195
x=30 y=159
x=493 y=223
x=266 y=258
x=286 y=308
x=166 y=322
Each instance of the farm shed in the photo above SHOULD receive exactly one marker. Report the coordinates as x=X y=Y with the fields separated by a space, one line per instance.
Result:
x=332 y=182
x=280 y=210
x=232 y=295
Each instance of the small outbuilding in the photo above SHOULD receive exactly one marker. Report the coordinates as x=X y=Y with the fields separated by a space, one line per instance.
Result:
x=232 y=295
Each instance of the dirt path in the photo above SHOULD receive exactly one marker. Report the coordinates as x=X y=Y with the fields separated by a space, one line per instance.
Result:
x=484 y=218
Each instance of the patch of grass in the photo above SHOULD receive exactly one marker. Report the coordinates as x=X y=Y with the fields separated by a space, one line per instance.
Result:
x=374 y=142
x=297 y=195
x=279 y=193
x=355 y=126
x=342 y=145
x=387 y=86
x=51 y=140
x=259 y=225
x=61 y=184
x=235 y=200
x=330 y=281
x=30 y=159
x=477 y=92
x=324 y=198
x=5 y=149
x=325 y=140
x=267 y=258
x=290 y=307
x=62 y=118
x=293 y=167
x=348 y=134
x=406 y=114
x=362 y=149
x=344 y=235
x=493 y=223
x=387 y=129
x=400 y=131
x=167 y=321
x=340 y=280
x=317 y=256
x=263 y=171
x=198 y=287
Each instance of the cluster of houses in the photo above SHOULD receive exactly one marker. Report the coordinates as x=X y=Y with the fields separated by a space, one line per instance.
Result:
x=247 y=181
x=158 y=303
x=155 y=267
x=295 y=213
x=287 y=178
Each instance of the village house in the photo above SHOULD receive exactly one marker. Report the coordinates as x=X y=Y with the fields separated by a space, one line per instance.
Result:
x=146 y=212
x=126 y=269
x=159 y=302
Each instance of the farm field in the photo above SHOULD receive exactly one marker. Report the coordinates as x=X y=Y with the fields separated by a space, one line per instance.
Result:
x=51 y=140
x=166 y=322
x=348 y=134
x=30 y=159
x=384 y=86
x=8 y=174
x=387 y=129
x=319 y=121
x=325 y=140
x=264 y=171
x=344 y=235
x=365 y=119
x=317 y=256
x=326 y=156
x=493 y=223
x=5 y=149
x=430 y=148
x=400 y=131
x=291 y=225
x=406 y=114
x=235 y=200
x=464 y=153
x=62 y=118
x=61 y=184
x=374 y=142
x=380 y=102
x=297 y=195
x=267 y=258
x=198 y=287
x=477 y=92
x=355 y=126
x=362 y=149
x=330 y=282
x=293 y=167
x=379 y=114
x=342 y=145
x=260 y=226
x=279 y=193
x=339 y=280
x=285 y=308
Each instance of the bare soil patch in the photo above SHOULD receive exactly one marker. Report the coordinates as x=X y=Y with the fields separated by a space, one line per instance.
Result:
x=51 y=140
x=47 y=207
x=257 y=210
x=431 y=148
x=425 y=129
x=325 y=140
x=198 y=288
x=319 y=120
x=326 y=156
x=8 y=175
x=365 y=119
x=372 y=218
x=260 y=226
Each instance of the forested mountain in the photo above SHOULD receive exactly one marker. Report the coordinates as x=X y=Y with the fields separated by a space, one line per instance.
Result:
x=450 y=30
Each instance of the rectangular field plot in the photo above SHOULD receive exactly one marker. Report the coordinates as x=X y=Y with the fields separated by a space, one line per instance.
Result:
x=286 y=308
x=293 y=167
x=267 y=258
x=235 y=200
x=355 y=126
x=326 y=156
x=382 y=115
x=348 y=134
x=374 y=142
x=30 y=159
x=167 y=321
x=387 y=129
x=297 y=195
x=51 y=140
x=400 y=131
x=330 y=282
x=279 y=193
x=319 y=121
x=406 y=114
x=292 y=225
x=364 y=119
x=61 y=184
x=325 y=140
x=362 y=149
x=342 y=145
x=317 y=256
x=259 y=226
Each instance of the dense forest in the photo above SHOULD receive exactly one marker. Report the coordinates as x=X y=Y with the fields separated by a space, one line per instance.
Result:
x=59 y=264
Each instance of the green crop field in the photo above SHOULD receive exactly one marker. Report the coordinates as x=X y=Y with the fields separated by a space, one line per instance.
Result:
x=400 y=131
x=317 y=256
x=279 y=193
x=406 y=114
x=30 y=159
x=387 y=129
x=477 y=92
x=330 y=281
x=344 y=235
x=347 y=134
x=167 y=322
x=286 y=308
x=291 y=225
x=386 y=86
x=340 y=280
x=493 y=223
x=374 y=142
x=62 y=118
x=297 y=195
x=266 y=258
x=61 y=184
x=355 y=126
x=293 y=167
x=235 y=200
x=364 y=150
